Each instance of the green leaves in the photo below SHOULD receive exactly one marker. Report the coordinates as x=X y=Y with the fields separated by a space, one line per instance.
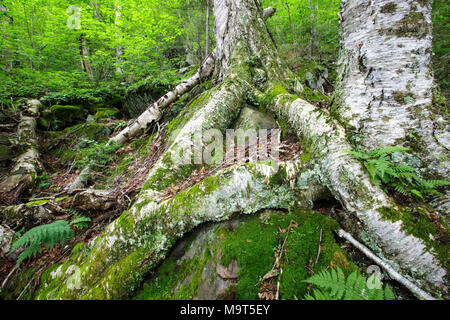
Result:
x=334 y=286
x=384 y=172
x=48 y=235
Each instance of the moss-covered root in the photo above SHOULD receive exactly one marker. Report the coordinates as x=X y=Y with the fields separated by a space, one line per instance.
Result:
x=113 y=265
x=23 y=174
x=412 y=253
x=228 y=260
x=216 y=109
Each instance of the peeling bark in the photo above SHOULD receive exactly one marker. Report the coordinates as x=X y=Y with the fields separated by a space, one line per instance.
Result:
x=386 y=86
x=364 y=202
x=112 y=265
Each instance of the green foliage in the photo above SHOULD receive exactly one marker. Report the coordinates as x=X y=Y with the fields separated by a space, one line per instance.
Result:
x=402 y=178
x=81 y=222
x=48 y=235
x=44 y=181
x=333 y=285
x=254 y=243
x=441 y=48
x=78 y=220
x=97 y=155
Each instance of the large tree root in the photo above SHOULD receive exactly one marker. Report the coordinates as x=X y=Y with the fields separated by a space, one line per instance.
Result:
x=113 y=265
x=24 y=172
x=369 y=213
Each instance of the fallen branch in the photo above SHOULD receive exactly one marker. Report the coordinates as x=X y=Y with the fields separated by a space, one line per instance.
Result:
x=419 y=293
x=24 y=172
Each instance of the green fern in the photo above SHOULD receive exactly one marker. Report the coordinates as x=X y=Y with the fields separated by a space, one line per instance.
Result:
x=334 y=286
x=80 y=222
x=396 y=176
x=48 y=235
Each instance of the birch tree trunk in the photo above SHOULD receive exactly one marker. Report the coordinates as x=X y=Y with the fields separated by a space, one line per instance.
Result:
x=119 y=49
x=247 y=69
x=386 y=88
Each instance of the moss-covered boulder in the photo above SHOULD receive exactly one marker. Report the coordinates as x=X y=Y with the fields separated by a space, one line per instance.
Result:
x=106 y=113
x=250 y=118
x=229 y=260
x=61 y=116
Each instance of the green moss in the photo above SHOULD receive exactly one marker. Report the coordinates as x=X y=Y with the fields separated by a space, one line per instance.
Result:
x=413 y=24
x=314 y=96
x=187 y=113
x=389 y=7
x=439 y=102
x=403 y=97
x=107 y=113
x=254 y=242
x=416 y=222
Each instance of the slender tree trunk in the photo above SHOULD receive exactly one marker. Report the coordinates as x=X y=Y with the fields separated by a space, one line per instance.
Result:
x=84 y=54
x=119 y=49
x=207 y=29
x=313 y=47
x=291 y=25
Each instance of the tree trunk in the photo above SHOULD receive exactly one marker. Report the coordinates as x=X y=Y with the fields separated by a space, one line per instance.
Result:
x=84 y=54
x=386 y=89
x=207 y=30
x=247 y=69
x=119 y=49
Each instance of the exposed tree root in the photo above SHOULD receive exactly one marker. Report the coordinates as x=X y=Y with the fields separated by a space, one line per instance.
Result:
x=113 y=264
x=24 y=172
x=365 y=203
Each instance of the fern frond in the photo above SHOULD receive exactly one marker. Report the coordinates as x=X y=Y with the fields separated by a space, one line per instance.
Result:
x=334 y=286
x=357 y=155
x=386 y=151
x=49 y=235
x=81 y=222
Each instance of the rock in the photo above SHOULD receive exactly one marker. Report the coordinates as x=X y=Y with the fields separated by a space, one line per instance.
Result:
x=253 y=119
x=6 y=237
x=61 y=116
x=231 y=272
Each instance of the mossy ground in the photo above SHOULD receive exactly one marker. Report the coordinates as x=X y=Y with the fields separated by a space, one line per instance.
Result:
x=254 y=243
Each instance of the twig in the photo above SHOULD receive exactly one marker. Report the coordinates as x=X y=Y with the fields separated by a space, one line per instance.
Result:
x=9 y=275
x=318 y=249
x=418 y=292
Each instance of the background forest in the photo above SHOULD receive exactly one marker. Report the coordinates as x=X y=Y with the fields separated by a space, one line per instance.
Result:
x=63 y=50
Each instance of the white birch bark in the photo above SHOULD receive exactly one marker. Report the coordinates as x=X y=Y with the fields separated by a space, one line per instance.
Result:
x=386 y=84
x=24 y=172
